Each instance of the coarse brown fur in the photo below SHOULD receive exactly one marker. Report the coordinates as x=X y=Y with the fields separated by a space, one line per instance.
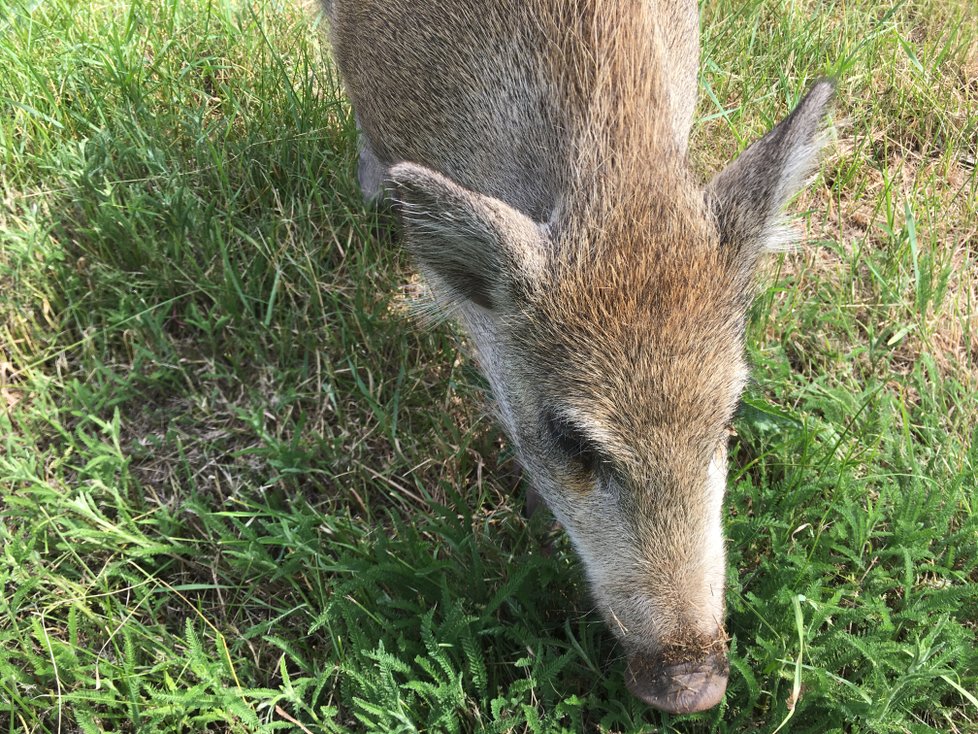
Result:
x=538 y=151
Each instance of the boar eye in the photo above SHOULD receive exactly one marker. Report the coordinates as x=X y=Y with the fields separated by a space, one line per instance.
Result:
x=572 y=442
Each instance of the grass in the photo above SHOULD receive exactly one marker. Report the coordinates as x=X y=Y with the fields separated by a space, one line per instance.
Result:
x=242 y=491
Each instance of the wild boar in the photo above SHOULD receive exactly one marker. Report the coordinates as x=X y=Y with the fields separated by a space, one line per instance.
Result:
x=538 y=153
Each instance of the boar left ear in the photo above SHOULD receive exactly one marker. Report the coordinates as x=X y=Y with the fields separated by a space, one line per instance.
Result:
x=748 y=196
x=476 y=248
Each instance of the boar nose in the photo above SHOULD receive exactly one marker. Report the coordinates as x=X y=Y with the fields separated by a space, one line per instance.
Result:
x=681 y=688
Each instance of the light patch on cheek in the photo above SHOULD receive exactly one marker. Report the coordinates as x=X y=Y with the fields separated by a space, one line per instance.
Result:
x=715 y=553
x=716 y=474
x=490 y=358
x=598 y=533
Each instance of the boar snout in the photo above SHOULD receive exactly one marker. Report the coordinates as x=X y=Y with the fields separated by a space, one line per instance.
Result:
x=678 y=688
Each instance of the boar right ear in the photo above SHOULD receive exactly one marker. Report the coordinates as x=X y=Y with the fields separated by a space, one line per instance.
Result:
x=748 y=196
x=475 y=247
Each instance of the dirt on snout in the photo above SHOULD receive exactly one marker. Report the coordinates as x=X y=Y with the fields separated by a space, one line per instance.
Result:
x=692 y=648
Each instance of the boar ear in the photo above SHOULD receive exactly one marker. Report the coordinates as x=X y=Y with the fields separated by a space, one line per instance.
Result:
x=475 y=247
x=748 y=196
